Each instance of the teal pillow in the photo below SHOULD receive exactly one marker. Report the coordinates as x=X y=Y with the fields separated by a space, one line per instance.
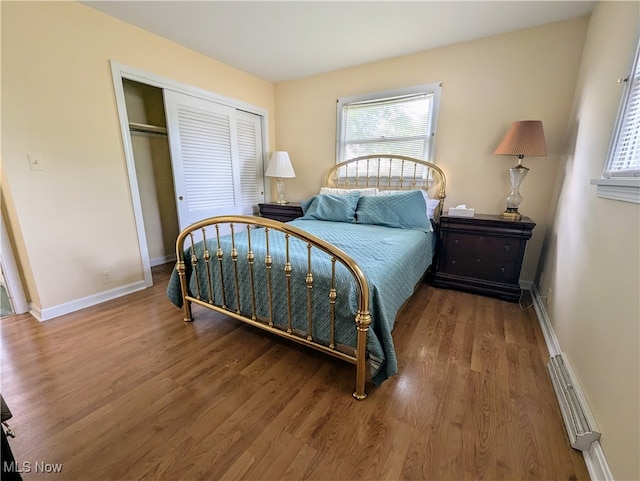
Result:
x=404 y=210
x=335 y=208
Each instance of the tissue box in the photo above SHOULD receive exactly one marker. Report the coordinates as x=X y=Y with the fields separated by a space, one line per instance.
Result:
x=461 y=211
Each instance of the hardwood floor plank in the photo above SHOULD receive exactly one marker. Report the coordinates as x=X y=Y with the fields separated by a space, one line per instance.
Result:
x=480 y=426
x=275 y=450
x=300 y=464
x=128 y=391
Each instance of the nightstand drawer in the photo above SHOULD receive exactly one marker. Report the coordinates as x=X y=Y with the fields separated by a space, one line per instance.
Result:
x=479 y=267
x=491 y=247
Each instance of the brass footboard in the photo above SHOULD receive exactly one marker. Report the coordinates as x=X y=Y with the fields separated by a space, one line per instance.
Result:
x=217 y=269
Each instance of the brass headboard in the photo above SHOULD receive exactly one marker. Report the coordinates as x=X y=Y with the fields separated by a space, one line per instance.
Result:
x=389 y=172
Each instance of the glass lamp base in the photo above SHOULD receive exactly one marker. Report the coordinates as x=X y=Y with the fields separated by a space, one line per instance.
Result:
x=516 y=175
x=280 y=187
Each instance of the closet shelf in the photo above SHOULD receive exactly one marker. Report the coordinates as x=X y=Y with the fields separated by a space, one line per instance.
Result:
x=146 y=128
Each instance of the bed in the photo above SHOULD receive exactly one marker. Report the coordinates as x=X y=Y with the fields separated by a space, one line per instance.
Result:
x=333 y=279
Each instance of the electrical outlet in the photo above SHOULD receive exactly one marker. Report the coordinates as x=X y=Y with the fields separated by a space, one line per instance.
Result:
x=106 y=277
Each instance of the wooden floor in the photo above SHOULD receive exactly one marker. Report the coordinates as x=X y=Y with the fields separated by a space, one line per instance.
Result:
x=128 y=391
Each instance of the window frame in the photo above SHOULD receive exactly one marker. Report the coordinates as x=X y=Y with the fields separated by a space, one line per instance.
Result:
x=622 y=187
x=433 y=87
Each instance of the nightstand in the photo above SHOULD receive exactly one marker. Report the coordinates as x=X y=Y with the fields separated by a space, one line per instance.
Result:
x=482 y=254
x=281 y=212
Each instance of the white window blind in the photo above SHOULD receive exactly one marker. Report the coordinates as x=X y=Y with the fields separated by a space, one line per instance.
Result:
x=624 y=157
x=392 y=122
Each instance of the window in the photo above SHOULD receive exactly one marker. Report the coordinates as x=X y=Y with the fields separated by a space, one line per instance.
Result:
x=401 y=121
x=621 y=175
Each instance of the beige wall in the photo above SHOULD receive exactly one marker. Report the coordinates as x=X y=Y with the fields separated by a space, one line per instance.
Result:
x=591 y=259
x=487 y=84
x=75 y=218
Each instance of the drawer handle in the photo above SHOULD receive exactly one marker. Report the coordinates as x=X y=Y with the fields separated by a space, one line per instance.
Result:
x=455 y=241
x=453 y=263
x=507 y=247
x=502 y=269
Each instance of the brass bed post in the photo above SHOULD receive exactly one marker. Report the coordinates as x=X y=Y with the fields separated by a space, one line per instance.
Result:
x=363 y=321
x=181 y=269
x=186 y=305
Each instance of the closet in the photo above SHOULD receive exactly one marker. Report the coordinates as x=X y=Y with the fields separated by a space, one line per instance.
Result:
x=150 y=144
x=194 y=158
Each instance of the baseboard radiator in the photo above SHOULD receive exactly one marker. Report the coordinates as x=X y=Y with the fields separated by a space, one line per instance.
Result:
x=578 y=420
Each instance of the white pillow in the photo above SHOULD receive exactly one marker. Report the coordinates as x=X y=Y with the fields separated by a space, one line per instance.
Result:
x=335 y=191
x=431 y=203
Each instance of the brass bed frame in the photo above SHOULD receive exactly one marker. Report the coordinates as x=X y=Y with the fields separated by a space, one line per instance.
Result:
x=384 y=172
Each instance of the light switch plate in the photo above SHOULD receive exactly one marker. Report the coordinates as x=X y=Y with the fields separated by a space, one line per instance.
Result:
x=35 y=161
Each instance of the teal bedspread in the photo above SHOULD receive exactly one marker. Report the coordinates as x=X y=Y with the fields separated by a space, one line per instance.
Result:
x=393 y=261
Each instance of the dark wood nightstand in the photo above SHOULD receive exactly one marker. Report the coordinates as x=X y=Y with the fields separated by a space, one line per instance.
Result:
x=482 y=254
x=281 y=212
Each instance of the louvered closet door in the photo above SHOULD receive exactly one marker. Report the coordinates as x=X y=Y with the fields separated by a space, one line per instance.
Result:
x=211 y=154
x=250 y=159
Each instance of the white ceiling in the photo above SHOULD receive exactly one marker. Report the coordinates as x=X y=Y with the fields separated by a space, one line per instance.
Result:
x=285 y=40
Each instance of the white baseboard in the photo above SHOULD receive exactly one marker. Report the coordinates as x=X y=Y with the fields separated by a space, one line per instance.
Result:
x=158 y=261
x=597 y=463
x=69 y=307
x=594 y=458
x=35 y=311
x=545 y=323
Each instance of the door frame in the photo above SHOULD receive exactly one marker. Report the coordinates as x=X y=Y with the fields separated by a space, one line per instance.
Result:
x=11 y=273
x=119 y=72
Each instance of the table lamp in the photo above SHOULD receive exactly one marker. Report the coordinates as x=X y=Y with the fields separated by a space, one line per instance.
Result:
x=280 y=167
x=525 y=137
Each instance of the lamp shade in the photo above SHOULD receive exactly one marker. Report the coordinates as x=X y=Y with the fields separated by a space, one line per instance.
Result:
x=524 y=138
x=280 y=165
